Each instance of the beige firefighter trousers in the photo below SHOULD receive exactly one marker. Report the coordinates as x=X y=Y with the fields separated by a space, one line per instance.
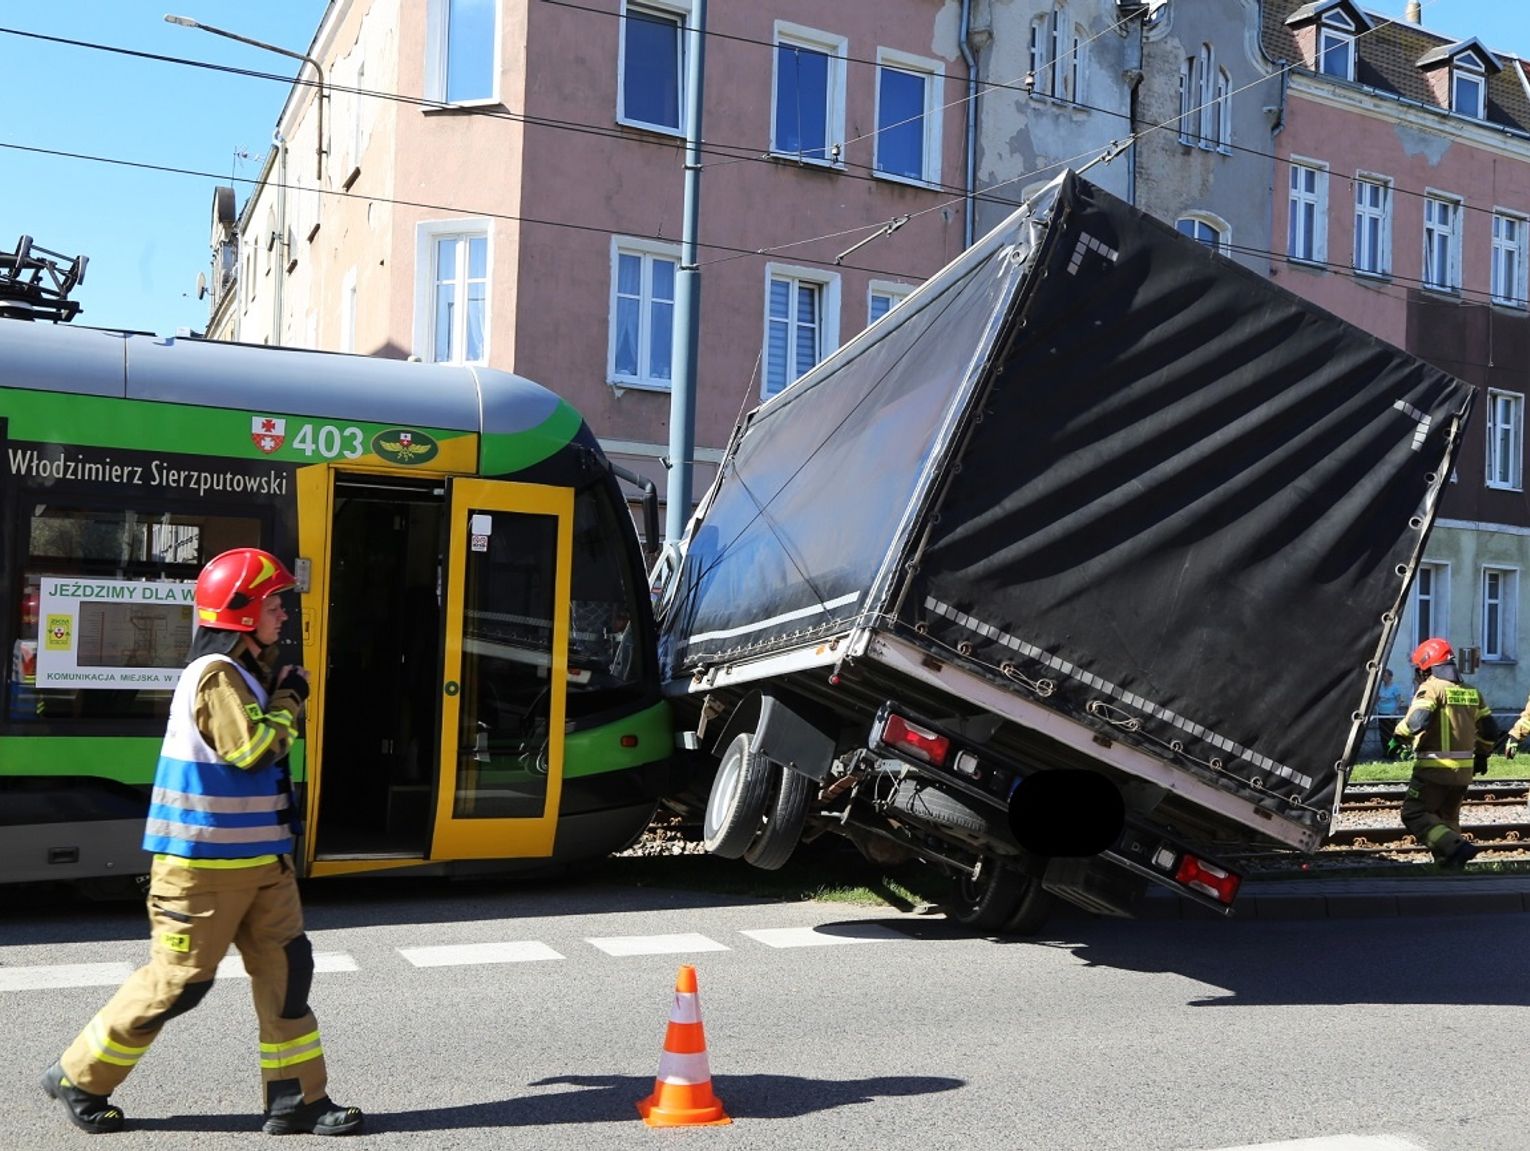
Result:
x=194 y=914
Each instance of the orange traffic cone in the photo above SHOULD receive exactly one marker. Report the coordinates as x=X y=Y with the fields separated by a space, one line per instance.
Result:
x=682 y=1093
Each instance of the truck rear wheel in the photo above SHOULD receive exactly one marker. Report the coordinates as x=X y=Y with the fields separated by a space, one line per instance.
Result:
x=784 y=814
x=736 y=804
x=999 y=898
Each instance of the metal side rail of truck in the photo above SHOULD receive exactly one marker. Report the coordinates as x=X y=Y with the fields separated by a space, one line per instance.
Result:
x=1073 y=572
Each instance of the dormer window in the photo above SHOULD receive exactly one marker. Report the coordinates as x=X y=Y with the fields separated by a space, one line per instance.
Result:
x=1458 y=76
x=1326 y=31
x=1336 y=45
x=1467 y=85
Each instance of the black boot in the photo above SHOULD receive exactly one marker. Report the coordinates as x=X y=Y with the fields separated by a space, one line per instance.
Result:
x=1464 y=853
x=321 y=1117
x=87 y=1111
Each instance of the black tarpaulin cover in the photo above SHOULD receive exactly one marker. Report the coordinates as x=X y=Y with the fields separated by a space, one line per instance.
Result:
x=1188 y=508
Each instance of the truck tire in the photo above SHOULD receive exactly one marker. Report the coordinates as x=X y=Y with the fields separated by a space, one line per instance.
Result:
x=736 y=804
x=995 y=899
x=936 y=810
x=784 y=813
x=1036 y=907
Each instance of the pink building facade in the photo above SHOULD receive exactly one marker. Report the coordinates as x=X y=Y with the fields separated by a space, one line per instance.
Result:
x=501 y=182
x=1401 y=201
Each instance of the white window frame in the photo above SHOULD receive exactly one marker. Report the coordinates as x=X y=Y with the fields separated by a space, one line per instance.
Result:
x=426 y=235
x=1205 y=97
x=837 y=49
x=1509 y=260
x=1500 y=648
x=933 y=73
x=1333 y=29
x=649 y=250
x=1505 y=438
x=1468 y=68
x=828 y=320
x=348 y=311
x=1214 y=223
x=358 y=141
x=1382 y=215
x=1055 y=56
x=1186 y=100
x=1317 y=197
x=1452 y=237
x=1221 y=104
x=684 y=13
x=437 y=17
x=1438 y=600
x=894 y=291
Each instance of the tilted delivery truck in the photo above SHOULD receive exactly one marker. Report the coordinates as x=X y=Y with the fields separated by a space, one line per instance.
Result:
x=1096 y=534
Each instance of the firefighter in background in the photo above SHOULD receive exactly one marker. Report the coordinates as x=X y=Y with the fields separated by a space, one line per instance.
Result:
x=221 y=829
x=1452 y=731
x=1518 y=732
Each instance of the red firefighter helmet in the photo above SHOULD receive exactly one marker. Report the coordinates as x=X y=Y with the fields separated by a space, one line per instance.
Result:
x=232 y=585
x=1431 y=653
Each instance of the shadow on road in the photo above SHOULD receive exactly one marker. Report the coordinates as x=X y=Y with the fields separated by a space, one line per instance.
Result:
x=1458 y=959
x=613 y=1099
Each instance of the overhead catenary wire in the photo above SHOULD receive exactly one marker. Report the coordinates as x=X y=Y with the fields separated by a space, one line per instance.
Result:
x=984 y=195
x=730 y=252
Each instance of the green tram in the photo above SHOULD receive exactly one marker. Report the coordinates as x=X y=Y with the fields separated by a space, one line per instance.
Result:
x=472 y=604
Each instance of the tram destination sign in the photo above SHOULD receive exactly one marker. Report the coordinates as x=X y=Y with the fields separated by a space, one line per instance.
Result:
x=114 y=634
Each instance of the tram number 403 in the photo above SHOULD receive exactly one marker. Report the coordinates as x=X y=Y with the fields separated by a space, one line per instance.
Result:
x=329 y=441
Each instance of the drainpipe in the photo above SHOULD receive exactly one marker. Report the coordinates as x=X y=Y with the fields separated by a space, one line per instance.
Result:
x=971 y=185
x=279 y=247
x=1133 y=74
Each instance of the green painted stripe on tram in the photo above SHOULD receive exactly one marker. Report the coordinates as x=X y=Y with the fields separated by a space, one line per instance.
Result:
x=599 y=750
x=123 y=759
x=146 y=425
x=505 y=454
x=131 y=760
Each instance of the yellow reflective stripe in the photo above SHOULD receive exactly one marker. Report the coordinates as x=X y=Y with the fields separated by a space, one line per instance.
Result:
x=274 y=1056
x=251 y=751
x=281 y=717
x=215 y=864
x=102 y=1047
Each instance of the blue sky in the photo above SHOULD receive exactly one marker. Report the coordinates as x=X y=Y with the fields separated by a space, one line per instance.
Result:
x=146 y=233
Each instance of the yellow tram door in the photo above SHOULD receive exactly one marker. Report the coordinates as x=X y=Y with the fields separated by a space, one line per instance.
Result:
x=504 y=669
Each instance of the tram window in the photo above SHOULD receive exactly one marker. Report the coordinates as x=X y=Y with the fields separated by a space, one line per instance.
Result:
x=604 y=649
x=104 y=617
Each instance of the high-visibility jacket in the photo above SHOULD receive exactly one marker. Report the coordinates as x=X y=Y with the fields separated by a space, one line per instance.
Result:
x=1457 y=727
x=206 y=806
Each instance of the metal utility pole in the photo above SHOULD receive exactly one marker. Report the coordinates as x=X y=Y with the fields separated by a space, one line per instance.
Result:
x=687 y=330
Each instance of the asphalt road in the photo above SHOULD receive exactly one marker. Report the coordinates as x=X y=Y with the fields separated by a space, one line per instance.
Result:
x=1100 y=1036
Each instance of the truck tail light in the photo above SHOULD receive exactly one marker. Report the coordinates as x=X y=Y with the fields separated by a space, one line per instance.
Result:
x=1209 y=879
x=919 y=742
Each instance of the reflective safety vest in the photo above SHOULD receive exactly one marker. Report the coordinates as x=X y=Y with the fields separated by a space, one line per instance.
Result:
x=204 y=807
x=1450 y=740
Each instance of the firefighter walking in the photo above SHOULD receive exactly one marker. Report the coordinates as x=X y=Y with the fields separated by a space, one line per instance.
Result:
x=1452 y=731
x=220 y=827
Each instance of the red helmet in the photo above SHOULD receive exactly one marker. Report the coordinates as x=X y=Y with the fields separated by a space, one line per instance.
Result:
x=231 y=586
x=1431 y=653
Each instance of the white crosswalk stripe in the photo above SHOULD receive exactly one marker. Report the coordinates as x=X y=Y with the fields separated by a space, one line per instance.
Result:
x=622 y=945
x=1335 y=1143
x=323 y=961
x=63 y=975
x=460 y=954
x=54 y=975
